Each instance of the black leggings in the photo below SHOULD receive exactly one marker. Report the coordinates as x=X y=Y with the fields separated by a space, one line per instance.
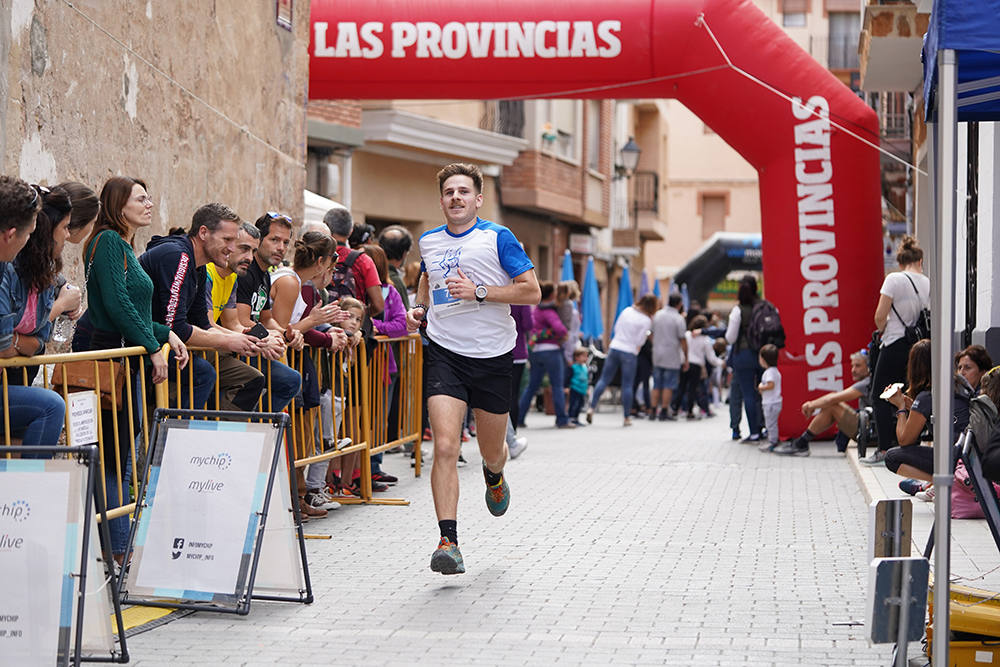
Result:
x=920 y=457
x=891 y=367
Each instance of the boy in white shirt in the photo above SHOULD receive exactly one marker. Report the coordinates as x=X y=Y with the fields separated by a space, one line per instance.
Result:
x=770 y=395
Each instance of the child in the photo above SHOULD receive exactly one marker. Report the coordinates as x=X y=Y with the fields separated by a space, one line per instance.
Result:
x=578 y=385
x=344 y=391
x=700 y=353
x=770 y=395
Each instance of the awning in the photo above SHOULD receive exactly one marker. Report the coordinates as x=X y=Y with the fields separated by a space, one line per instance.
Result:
x=972 y=30
x=317 y=206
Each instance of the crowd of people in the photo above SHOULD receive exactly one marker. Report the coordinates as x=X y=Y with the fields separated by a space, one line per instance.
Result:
x=220 y=287
x=887 y=405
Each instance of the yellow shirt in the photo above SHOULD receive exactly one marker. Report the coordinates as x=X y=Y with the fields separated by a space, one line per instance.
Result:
x=220 y=291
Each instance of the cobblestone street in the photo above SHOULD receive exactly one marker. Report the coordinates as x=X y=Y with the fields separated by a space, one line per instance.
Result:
x=666 y=543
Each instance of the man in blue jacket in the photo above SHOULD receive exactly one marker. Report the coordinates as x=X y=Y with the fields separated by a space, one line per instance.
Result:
x=176 y=264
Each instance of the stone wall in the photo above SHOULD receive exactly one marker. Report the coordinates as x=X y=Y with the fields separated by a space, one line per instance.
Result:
x=202 y=99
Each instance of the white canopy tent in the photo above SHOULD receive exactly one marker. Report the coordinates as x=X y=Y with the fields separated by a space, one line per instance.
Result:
x=317 y=206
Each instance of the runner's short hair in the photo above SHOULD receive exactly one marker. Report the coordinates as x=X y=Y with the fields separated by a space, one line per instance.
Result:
x=461 y=169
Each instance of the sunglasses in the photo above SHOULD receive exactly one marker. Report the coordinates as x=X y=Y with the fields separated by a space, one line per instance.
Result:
x=37 y=190
x=278 y=216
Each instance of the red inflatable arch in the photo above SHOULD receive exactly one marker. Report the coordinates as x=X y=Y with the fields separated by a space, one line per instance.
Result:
x=819 y=186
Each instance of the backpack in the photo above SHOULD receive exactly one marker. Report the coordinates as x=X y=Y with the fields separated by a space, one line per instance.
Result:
x=921 y=327
x=343 y=283
x=765 y=326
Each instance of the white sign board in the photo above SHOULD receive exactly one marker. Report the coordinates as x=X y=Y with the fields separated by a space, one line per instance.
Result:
x=82 y=407
x=194 y=527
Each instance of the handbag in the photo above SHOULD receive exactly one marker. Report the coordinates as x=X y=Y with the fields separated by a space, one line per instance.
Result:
x=964 y=504
x=82 y=376
x=921 y=327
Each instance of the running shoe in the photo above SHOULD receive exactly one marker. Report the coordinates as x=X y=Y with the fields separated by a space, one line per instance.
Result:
x=792 y=448
x=913 y=486
x=497 y=496
x=876 y=458
x=384 y=478
x=447 y=559
x=927 y=495
x=767 y=446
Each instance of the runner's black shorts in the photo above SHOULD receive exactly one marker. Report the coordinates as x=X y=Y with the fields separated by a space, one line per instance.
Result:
x=481 y=383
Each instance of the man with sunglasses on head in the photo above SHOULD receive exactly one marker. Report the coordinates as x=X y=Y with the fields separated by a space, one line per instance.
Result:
x=36 y=415
x=253 y=308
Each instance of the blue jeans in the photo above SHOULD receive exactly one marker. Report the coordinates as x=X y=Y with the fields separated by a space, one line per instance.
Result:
x=551 y=363
x=117 y=528
x=576 y=401
x=745 y=372
x=36 y=415
x=285 y=384
x=627 y=362
x=204 y=382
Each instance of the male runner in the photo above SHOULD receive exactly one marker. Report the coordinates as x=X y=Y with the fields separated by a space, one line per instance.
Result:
x=471 y=270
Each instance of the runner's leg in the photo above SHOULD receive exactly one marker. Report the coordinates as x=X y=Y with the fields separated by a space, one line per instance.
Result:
x=446 y=415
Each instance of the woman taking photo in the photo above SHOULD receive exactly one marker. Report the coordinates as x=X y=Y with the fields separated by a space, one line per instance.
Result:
x=913 y=409
x=903 y=295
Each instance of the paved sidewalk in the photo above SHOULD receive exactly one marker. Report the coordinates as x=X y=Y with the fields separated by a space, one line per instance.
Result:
x=975 y=560
x=665 y=543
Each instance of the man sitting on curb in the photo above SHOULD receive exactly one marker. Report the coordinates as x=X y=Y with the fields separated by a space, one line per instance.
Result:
x=831 y=409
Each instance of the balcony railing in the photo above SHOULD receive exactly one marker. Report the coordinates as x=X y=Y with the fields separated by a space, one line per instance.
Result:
x=646 y=191
x=504 y=117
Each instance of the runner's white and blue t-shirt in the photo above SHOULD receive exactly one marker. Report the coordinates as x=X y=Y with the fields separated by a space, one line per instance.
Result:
x=488 y=254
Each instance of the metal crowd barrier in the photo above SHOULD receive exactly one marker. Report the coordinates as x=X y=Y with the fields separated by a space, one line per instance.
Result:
x=360 y=388
x=117 y=446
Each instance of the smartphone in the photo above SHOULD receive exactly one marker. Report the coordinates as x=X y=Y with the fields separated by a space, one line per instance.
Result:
x=259 y=331
x=891 y=391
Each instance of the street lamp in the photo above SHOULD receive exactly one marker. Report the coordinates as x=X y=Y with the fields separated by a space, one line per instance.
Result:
x=629 y=154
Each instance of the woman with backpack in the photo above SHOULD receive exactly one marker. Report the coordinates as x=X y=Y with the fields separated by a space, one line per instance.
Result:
x=904 y=296
x=746 y=369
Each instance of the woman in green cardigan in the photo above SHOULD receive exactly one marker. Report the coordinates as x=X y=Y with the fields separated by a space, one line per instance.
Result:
x=119 y=311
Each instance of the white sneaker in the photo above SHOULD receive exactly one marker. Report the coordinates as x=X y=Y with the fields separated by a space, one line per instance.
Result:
x=876 y=458
x=518 y=446
x=926 y=495
x=321 y=500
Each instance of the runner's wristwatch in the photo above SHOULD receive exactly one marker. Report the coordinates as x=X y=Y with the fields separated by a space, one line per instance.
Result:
x=480 y=293
x=424 y=306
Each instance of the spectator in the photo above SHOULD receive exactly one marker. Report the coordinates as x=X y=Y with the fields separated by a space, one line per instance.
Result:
x=522 y=325
x=567 y=296
x=393 y=325
x=700 y=353
x=240 y=384
x=990 y=447
x=770 y=397
x=119 y=312
x=119 y=291
x=913 y=412
x=29 y=296
x=578 y=384
x=833 y=408
x=35 y=414
x=253 y=306
x=86 y=206
x=348 y=485
x=630 y=332
x=902 y=296
x=545 y=356
x=670 y=352
x=746 y=369
x=176 y=265
x=396 y=241
x=366 y=286
x=973 y=363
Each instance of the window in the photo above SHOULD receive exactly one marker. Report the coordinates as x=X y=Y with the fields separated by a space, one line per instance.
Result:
x=594 y=135
x=843 y=45
x=793 y=13
x=712 y=207
x=561 y=134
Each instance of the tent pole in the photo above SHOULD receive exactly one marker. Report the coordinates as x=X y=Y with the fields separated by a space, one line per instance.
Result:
x=943 y=311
